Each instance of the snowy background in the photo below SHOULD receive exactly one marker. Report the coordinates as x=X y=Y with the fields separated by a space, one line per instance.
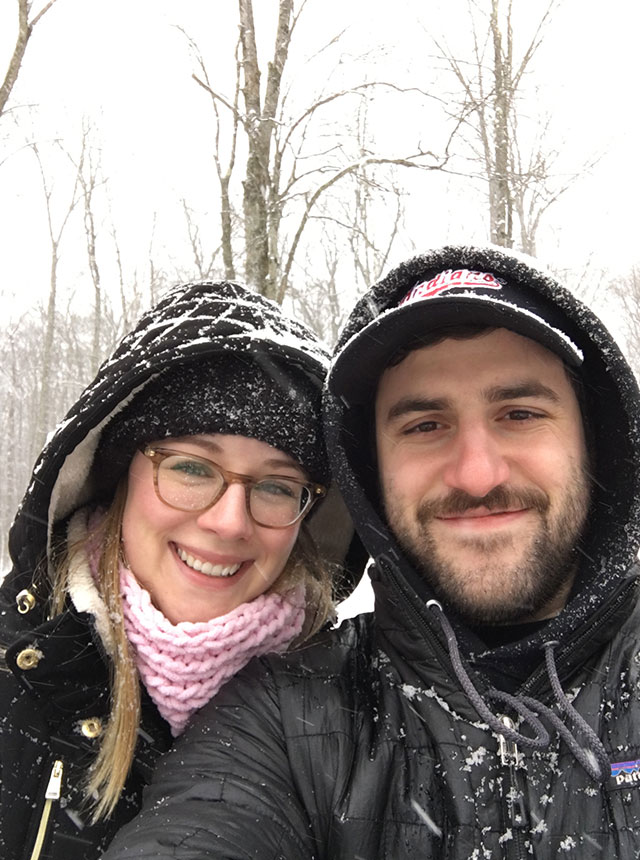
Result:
x=106 y=94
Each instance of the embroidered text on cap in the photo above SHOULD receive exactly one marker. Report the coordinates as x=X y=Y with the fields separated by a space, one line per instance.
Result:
x=449 y=280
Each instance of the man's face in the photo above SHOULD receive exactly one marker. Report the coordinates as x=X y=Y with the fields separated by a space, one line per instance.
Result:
x=482 y=465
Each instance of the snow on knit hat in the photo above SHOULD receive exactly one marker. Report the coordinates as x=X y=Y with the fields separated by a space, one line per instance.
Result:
x=239 y=394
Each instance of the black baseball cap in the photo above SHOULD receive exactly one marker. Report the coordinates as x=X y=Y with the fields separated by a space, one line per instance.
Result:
x=449 y=298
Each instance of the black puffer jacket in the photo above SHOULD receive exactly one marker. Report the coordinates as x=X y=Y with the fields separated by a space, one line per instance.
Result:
x=54 y=673
x=369 y=744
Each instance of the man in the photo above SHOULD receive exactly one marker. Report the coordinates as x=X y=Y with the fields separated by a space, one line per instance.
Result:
x=484 y=430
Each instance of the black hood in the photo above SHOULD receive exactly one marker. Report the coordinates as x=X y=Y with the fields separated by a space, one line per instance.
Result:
x=193 y=321
x=613 y=532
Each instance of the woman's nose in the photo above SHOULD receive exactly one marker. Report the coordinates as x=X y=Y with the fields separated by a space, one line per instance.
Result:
x=229 y=517
x=477 y=463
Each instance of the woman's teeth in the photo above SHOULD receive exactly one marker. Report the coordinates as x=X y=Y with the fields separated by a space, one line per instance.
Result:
x=205 y=566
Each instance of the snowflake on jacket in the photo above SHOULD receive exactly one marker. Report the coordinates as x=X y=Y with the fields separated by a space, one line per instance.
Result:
x=393 y=737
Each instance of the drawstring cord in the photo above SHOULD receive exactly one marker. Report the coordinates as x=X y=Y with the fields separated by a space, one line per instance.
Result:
x=540 y=741
x=593 y=759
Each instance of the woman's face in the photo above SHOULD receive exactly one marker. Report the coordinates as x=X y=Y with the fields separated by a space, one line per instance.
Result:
x=164 y=547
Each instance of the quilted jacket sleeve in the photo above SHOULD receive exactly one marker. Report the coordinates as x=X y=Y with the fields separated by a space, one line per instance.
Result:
x=226 y=789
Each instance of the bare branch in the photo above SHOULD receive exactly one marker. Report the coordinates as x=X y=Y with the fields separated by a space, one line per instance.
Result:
x=217 y=97
x=351 y=168
x=357 y=90
x=533 y=46
x=42 y=12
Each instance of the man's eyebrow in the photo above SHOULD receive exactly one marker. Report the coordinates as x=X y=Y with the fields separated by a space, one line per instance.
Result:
x=495 y=394
x=406 y=405
x=516 y=390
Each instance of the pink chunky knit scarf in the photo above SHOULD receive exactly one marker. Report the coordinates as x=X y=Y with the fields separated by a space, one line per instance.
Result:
x=184 y=665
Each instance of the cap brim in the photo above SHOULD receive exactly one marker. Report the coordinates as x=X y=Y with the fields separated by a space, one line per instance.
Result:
x=358 y=367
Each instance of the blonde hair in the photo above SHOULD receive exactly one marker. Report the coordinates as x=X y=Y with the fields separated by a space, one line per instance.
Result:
x=110 y=769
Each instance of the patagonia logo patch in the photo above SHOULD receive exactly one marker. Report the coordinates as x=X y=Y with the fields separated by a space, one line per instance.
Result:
x=625 y=774
x=451 y=279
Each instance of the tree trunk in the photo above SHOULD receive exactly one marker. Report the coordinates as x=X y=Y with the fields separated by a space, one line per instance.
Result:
x=44 y=403
x=226 y=229
x=256 y=177
x=499 y=186
x=90 y=231
x=261 y=237
x=24 y=31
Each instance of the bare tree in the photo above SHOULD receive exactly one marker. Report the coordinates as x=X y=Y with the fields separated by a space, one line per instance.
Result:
x=369 y=210
x=88 y=179
x=260 y=127
x=626 y=289
x=538 y=181
x=22 y=350
x=25 y=31
x=319 y=300
x=130 y=292
x=318 y=304
x=224 y=158
x=521 y=175
x=12 y=412
x=55 y=228
x=285 y=178
x=204 y=268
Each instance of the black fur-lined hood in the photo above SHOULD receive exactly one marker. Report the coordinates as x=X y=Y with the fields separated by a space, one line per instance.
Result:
x=611 y=543
x=193 y=321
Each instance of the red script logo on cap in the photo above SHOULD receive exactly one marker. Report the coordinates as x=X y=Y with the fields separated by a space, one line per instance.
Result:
x=449 y=280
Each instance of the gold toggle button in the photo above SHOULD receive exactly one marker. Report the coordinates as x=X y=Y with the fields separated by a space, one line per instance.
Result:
x=25 y=600
x=29 y=658
x=91 y=727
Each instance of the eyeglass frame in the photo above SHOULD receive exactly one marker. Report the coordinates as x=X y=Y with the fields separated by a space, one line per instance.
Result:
x=159 y=453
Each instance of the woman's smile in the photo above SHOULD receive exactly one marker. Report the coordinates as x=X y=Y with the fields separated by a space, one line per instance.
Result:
x=207 y=567
x=198 y=565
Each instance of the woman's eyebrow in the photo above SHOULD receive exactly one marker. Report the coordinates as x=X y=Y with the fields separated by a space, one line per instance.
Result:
x=215 y=448
x=194 y=439
x=286 y=462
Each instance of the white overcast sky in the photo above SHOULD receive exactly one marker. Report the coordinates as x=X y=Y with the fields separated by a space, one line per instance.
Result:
x=125 y=64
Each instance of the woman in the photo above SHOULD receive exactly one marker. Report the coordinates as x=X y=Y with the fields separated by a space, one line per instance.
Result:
x=158 y=548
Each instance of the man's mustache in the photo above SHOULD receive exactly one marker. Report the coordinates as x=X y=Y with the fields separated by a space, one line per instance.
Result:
x=502 y=497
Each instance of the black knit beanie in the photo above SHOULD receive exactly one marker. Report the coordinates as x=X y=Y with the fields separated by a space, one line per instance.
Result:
x=245 y=395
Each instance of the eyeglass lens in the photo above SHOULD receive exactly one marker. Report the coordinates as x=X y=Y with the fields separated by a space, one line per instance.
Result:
x=192 y=485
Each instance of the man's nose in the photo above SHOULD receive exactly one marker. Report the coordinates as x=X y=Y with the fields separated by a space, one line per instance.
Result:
x=229 y=517
x=477 y=462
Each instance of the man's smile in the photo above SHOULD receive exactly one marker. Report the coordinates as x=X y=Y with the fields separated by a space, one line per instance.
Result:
x=482 y=517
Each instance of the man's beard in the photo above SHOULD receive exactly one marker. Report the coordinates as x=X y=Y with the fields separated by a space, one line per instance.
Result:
x=490 y=591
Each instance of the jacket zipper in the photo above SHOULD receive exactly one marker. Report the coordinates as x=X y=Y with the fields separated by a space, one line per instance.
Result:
x=512 y=799
x=54 y=788
x=513 y=805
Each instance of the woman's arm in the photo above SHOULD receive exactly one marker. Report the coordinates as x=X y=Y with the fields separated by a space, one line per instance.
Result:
x=226 y=790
